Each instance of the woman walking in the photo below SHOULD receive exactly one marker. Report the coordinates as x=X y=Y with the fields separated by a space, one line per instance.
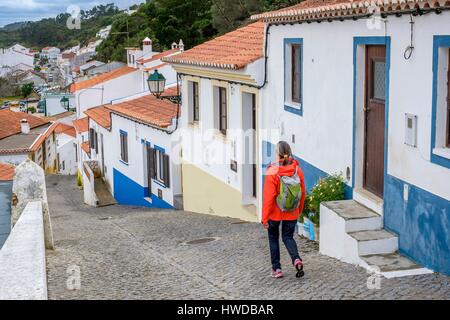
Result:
x=284 y=198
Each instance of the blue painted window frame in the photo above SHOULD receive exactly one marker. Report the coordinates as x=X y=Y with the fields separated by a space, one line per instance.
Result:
x=123 y=133
x=287 y=107
x=376 y=40
x=438 y=42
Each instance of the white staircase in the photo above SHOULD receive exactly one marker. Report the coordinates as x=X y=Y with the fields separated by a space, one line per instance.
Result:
x=354 y=234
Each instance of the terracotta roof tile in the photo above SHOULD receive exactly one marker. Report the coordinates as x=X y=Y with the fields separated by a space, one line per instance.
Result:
x=101 y=78
x=10 y=122
x=159 y=56
x=156 y=67
x=101 y=115
x=234 y=50
x=43 y=136
x=85 y=147
x=81 y=125
x=148 y=110
x=6 y=172
x=66 y=129
x=325 y=9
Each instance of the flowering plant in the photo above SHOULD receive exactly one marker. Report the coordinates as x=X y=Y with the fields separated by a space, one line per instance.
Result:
x=331 y=188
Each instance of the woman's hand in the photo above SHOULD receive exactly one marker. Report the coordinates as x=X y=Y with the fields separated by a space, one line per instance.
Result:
x=266 y=226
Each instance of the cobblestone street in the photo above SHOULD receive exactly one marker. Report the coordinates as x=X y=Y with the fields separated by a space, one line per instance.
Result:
x=135 y=253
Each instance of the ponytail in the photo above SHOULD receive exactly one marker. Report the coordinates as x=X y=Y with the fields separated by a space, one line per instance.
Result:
x=284 y=152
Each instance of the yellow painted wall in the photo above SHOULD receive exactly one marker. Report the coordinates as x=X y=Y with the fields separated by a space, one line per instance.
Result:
x=203 y=193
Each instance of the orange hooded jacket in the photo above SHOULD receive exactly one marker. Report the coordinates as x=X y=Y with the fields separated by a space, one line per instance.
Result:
x=270 y=210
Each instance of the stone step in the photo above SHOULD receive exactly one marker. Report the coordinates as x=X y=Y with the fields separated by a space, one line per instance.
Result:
x=393 y=265
x=357 y=217
x=375 y=242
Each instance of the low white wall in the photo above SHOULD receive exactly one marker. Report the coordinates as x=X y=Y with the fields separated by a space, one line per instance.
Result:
x=22 y=258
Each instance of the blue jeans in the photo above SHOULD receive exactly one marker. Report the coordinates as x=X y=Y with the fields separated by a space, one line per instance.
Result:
x=287 y=234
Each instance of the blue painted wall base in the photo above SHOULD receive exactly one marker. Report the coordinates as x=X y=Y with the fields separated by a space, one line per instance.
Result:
x=128 y=192
x=422 y=224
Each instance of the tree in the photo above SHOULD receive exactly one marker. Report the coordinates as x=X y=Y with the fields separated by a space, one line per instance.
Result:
x=26 y=89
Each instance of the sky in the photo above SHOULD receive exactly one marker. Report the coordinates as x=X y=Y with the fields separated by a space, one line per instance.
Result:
x=32 y=10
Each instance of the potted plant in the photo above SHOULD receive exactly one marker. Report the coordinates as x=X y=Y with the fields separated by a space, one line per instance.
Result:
x=331 y=188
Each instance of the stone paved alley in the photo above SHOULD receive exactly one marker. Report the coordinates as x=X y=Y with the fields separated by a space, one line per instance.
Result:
x=134 y=253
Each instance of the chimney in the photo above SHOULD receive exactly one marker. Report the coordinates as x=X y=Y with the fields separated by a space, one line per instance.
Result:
x=181 y=45
x=174 y=45
x=24 y=126
x=147 y=47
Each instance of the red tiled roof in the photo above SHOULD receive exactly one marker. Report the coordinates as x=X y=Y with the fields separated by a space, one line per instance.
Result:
x=10 y=122
x=66 y=129
x=101 y=115
x=85 y=147
x=159 y=56
x=43 y=136
x=101 y=78
x=6 y=172
x=325 y=9
x=81 y=125
x=148 y=109
x=234 y=50
x=156 y=67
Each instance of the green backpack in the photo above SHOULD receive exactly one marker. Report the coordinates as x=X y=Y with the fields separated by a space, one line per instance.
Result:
x=290 y=192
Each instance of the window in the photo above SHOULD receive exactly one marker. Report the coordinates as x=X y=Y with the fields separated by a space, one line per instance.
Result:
x=194 y=101
x=223 y=110
x=440 y=115
x=296 y=74
x=93 y=139
x=159 y=166
x=293 y=77
x=124 y=146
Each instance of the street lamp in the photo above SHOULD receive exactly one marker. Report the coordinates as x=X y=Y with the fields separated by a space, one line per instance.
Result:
x=65 y=103
x=157 y=83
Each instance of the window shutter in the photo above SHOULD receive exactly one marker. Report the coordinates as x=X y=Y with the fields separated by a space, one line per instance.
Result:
x=96 y=142
x=152 y=162
x=125 y=145
x=166 y=168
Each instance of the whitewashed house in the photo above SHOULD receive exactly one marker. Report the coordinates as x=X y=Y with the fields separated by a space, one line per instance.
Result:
x=219 y=123
x=15 y=57
x=52 y=105
x=83 y=150
x=104 y=88
x=104 y=32
x=368 y=98
x=50 y=53
x=23 y=136
x=66 y=149
x=145 y=153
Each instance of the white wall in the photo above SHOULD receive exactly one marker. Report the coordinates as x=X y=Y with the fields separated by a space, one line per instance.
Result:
x=54 y=107
x=127 y=85
x=207 y=148
x=135 y=170
x=324 y=132
x=14 y=159
x=66 y=151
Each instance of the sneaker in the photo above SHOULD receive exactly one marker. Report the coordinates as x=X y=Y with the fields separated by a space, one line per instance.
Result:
x=298 y=264
x=277 y=274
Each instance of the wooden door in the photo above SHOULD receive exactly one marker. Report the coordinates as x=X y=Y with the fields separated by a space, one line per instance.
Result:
x=374 y=110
